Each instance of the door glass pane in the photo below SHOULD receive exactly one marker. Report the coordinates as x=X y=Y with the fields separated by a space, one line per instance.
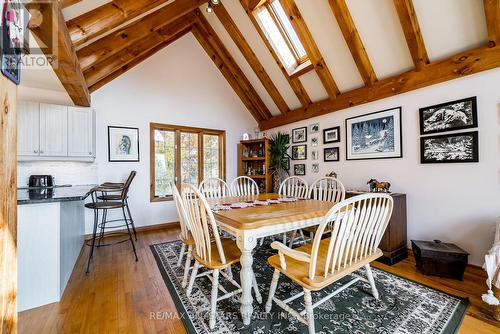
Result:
x=164 y=162
x=189 y=158
x=211 y=162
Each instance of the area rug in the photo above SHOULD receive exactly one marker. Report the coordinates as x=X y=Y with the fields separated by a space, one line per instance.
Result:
x=404 y=307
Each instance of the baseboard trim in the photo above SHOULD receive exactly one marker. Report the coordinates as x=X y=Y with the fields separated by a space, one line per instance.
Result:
x=148 y=228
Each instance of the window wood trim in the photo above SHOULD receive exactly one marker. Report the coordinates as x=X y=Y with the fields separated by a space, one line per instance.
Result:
x=178 y=129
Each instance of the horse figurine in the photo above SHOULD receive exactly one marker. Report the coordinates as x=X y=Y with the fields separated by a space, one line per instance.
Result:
x=376 y=186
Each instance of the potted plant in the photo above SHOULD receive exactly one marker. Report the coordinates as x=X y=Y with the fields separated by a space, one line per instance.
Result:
x=279 y=158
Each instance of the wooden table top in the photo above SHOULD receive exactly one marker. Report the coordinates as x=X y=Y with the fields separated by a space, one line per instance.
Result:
x=267 y=215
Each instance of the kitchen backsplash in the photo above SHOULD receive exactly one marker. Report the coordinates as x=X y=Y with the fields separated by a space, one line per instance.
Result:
x=74 y=173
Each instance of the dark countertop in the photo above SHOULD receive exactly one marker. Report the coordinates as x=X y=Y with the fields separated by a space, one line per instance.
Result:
x=62 y=194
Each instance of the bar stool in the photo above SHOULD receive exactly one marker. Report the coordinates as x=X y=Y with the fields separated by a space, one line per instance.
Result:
x=117 y=187
x=97 y=205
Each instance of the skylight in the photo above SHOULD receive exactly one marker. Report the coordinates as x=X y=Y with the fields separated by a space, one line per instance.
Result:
x=281 y=34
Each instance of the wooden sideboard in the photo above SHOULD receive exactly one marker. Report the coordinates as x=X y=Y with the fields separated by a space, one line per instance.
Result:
x=394 y=244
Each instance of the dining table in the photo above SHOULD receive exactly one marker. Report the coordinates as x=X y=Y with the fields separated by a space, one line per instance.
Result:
x=249 y=218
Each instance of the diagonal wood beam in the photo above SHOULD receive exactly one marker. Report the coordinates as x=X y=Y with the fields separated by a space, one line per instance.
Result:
x=294 y=82
x=51 y=31
x=250 y=56
x=492 y=12
x=353 y=40
x=137 y=60
x=223 y=68
x=113 y=14
x=311 y=48
x=67 y=3
x=229 y=62
x=102 y=69
x=133 y=32
x=460 y=65
x=411 y=30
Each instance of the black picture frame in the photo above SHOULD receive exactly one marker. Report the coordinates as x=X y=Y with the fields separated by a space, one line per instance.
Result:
x=334 y=149
x=474 y=124
x=304 y=128
x=325 y=131
x=475 y=148
x=297 y=171
x=399 y=138
x=110 y=158
x=294 y=152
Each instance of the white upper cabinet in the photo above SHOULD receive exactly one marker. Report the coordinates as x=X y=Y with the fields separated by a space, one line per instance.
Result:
x=28 y=129
x=53 y=130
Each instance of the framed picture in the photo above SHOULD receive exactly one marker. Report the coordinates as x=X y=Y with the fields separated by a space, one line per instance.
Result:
x=314 y=128
x=449 y=116
x=123 y=144
x=331 y=154
x=331 y=135
x=315 y=168
x=14 y=21
x=299 y=135
x=374 y=136
x=314 y=142
x=299 y=169
x=315 y=154
x=299 y=152
x=450 y=148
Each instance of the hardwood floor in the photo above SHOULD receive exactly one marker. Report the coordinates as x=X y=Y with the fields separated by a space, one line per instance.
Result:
x=119 y=295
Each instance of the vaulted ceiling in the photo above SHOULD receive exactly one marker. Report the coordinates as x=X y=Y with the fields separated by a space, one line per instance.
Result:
x=360 y=50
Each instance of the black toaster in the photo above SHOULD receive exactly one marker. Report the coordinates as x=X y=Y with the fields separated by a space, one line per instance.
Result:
x=41 y=181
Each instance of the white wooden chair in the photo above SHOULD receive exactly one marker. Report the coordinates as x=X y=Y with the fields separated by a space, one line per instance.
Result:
x=244 y=186
x=294 y=186
x=328 y=189
x=214 y=188
x=358 y=226
x=185 y=236
x=210 y=250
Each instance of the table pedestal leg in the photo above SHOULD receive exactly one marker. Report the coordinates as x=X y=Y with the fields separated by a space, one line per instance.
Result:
x=246 y=245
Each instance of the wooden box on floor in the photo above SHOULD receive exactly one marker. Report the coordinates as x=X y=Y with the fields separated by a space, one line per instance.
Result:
x=394 y=243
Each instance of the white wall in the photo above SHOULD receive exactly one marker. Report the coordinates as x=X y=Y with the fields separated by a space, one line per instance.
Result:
x=179 y=85
x=452 y=202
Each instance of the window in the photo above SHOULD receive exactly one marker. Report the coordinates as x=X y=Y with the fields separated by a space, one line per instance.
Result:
x=279 y=31
x=181 y=154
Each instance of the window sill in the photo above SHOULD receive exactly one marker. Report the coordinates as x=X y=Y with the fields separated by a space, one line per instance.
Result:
x=162 y=199
x=302 y=69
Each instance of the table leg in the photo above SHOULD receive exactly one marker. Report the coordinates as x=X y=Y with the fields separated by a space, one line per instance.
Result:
x=246 y=244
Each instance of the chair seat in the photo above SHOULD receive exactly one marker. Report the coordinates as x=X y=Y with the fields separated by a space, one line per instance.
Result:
x=298 y=271
x=231 y=251
x=189 y=241
x=110 y=197
x=104 y=205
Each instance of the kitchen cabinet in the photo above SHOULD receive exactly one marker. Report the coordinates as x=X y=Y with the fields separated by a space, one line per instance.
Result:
x=28 y=129
x=55 y=132
x=80 y=132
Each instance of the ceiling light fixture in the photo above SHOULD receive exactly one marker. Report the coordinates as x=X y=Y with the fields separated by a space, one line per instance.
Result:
x=211 y=3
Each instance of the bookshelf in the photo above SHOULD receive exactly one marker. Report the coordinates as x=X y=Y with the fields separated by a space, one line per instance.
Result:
x=253 y=161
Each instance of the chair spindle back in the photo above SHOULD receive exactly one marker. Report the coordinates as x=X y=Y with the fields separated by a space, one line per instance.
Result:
x=244 y=186
x=214 y=188
x=181 y=210
x=294 y=186
x=327 y=189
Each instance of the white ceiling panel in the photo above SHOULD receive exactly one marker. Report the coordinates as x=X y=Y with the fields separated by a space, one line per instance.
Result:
x=331 y=43
x=380 y=30
x=451 y=26
x=82 y=7
x=241 y=61
x=313 y=86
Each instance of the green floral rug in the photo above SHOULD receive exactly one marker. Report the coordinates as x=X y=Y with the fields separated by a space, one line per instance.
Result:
x=404 y=307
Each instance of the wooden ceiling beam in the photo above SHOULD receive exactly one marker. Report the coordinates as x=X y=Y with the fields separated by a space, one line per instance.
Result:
x=219 y=62
x=294 y=82
x=137 y=60
x=492 y=13
x=102 y=69
x=218 y=46
x=460 y=65
x=64 y=60
x=250 y=56
x=310 y=46
x=353 y=40
x=134 y=32
x=109 y=16
x=411 y=30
